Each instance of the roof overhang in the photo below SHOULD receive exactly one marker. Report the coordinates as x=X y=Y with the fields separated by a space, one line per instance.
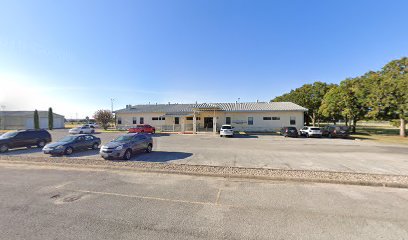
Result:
x=187 y=114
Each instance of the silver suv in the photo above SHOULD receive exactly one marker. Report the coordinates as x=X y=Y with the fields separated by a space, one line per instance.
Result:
x=126 y=145
x=310 y=132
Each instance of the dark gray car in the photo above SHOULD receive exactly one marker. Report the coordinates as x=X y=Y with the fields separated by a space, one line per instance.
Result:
x=24 y=138
x=69 y=144
x=126 y=145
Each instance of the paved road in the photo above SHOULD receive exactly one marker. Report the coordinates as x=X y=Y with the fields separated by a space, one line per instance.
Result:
x=260 y=151
x=51 y=203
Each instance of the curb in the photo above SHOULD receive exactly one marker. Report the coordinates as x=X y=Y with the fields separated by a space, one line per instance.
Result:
x=309 y=176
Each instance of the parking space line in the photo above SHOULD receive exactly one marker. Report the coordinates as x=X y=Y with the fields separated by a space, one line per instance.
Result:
x=148 y=198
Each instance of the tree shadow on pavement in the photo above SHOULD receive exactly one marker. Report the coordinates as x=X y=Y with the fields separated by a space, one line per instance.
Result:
x=160 y=156
x=22 y=151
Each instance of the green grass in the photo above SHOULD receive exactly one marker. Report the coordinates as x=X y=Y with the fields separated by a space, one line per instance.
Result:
x=386 y=134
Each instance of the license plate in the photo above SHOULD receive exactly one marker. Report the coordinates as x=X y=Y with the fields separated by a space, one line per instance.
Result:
x=46 y=151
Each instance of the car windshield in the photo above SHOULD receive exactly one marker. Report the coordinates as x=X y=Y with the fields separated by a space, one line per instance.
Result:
x=8 y=135
x=226 y=127
x=123 y=138
x=67 y=139
x=291 y=128
x=315 y=129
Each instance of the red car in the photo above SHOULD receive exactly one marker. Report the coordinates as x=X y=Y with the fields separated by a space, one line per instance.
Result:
x=143 y=128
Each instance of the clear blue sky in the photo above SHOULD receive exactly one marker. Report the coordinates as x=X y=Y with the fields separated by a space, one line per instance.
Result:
x=76 y=55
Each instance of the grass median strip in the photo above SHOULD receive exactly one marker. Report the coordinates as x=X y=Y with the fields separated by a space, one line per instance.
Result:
x=385 y=180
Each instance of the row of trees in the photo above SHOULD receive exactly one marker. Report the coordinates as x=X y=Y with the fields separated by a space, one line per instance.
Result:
x=50 y=119
x=377 y=95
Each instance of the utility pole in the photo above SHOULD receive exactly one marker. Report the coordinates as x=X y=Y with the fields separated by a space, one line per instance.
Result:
x=112 y=100
x=114 y=119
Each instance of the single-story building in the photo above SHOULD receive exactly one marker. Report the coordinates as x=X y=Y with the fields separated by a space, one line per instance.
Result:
x=251 y=117
x=25 y=120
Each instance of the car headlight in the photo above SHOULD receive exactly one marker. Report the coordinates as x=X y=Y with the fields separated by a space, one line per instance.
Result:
x=59 y=147
x=119 y=147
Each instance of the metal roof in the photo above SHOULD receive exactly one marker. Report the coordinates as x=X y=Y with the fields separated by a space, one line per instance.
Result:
x=27 y=113
x=229 y=107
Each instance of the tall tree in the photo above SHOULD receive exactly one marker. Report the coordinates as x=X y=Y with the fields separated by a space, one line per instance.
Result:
x=103 y=117
x=50 y=119
x=353 y=98
x=36 y=120
x=309 y=96
x=332 y=104
x=393 y=92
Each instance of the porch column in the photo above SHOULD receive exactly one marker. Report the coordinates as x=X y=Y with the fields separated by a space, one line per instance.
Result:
x=182 y=125
x=194 y=123
x=215 y=125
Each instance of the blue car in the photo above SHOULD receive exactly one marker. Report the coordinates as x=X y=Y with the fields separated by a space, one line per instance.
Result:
x=69 y=144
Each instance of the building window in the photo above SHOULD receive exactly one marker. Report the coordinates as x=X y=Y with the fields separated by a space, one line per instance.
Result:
x=228 y=120
x=176 y=120
x=250 y=121
x=292 y=120
x=162 y=118
x=155 y=118
x=134 y=120
x=141 y=120
x=191 y=118
x=275 y=118
x=267 y=118
x=119 y=120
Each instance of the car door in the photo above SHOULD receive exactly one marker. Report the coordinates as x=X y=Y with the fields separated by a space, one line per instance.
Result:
x=137 y=143
x=20 y=140
x=86 y=130
x=16 y=141
x=89 y=140
x=79 y=142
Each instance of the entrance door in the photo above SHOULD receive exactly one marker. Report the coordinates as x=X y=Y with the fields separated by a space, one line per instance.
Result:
x=208 y=122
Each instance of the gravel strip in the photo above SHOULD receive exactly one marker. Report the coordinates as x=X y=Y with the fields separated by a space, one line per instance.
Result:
x=384 y=180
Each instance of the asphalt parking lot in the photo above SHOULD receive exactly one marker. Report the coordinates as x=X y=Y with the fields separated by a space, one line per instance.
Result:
x=261 y=151
x=53 y=203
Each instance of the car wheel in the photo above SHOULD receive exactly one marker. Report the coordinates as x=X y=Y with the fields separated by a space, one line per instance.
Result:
x=307 y=135
x=95 y=146
x=3 y=148
x=80 y=132
x=330 y=136
x=127 y=155
x=69 y=151
x=41 y=143
x=92 y=131
x=149 y=148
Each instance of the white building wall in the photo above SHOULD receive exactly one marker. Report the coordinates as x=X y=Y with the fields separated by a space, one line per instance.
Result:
x=127 y=119
x=238 y=119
